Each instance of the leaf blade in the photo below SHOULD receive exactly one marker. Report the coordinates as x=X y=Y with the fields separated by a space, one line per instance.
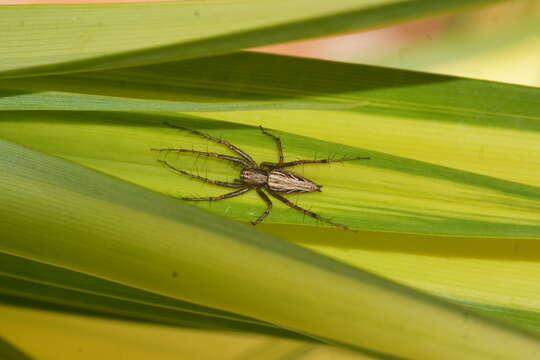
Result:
x=188 y=242
x=100 y=36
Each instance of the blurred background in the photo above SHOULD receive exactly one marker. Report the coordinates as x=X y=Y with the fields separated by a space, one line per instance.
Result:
x=499 y=42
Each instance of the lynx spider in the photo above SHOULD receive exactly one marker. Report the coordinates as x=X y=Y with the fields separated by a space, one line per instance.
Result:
x=268 y=176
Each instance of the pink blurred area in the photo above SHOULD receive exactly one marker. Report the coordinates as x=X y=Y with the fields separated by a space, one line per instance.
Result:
x=398 y=41
x=364 y=44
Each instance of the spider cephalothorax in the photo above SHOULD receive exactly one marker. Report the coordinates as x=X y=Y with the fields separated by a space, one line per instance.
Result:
x=278 y=180
x=268 y=175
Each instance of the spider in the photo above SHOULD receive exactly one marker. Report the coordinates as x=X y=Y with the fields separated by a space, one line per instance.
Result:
x=269 y=176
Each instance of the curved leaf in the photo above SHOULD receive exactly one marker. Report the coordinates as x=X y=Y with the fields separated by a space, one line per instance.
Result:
x=10 y=352
x=115 y=228
x=419 y=129
x=86 y=338
x=31 y=283
x=99 y=36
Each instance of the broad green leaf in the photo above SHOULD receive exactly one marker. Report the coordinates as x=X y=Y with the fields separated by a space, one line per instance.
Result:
x=61 y=38
x=89 y=338
x=25 y=282
x=105 y=247
x=101 y=226
x=30 y=283
x=501 y=280
x=26 y=101
x=498 y=277
x=481 y=127
x=505 y=277
x=10 y=352
x=449 y=155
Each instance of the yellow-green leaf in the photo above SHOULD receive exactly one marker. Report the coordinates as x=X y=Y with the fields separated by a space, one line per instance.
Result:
x=99 y=225
x=41 y=39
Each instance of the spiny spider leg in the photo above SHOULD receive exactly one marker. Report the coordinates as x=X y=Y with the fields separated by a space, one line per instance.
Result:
x=268 y=207
x=278 y=143
x=307 y=212
x=299 y=162
x=236 y=160
x=220 y=197
x=221 y=183
x=219 y=141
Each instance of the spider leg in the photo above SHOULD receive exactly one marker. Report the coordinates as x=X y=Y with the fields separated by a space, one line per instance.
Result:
x=268 y=207
x=300 y=162
x=307 y=212
x=235 y=160
x=219 y=141
x=278 y=143
x=220 y=197
x=221 y=183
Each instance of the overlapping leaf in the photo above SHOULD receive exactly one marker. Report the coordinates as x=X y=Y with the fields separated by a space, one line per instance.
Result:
x=184 y=253
x=444 y=160
x=63 y=38
x=449 y=156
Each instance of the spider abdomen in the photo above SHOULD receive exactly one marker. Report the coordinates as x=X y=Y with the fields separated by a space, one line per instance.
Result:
x=284 y=181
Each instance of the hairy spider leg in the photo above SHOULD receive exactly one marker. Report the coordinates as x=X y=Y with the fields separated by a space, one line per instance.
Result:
x=278 y=143
x=236 y=160
x=220 y=183
x=307 y=212
x=268 y=207
x=220 y=197
x=300 y=162
x=219 y=141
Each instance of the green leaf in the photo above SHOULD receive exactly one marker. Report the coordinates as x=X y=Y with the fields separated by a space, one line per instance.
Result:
x=43 y=333
x=25 y=101
x=10 y=352
x=118 y=144
x=62 y=38
x=435 y=142
x=448 y=156
x=35 y=284
x=101 y=226
x=495 y=276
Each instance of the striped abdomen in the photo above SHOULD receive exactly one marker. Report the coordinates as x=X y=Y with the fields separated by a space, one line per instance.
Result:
x=284 y=181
